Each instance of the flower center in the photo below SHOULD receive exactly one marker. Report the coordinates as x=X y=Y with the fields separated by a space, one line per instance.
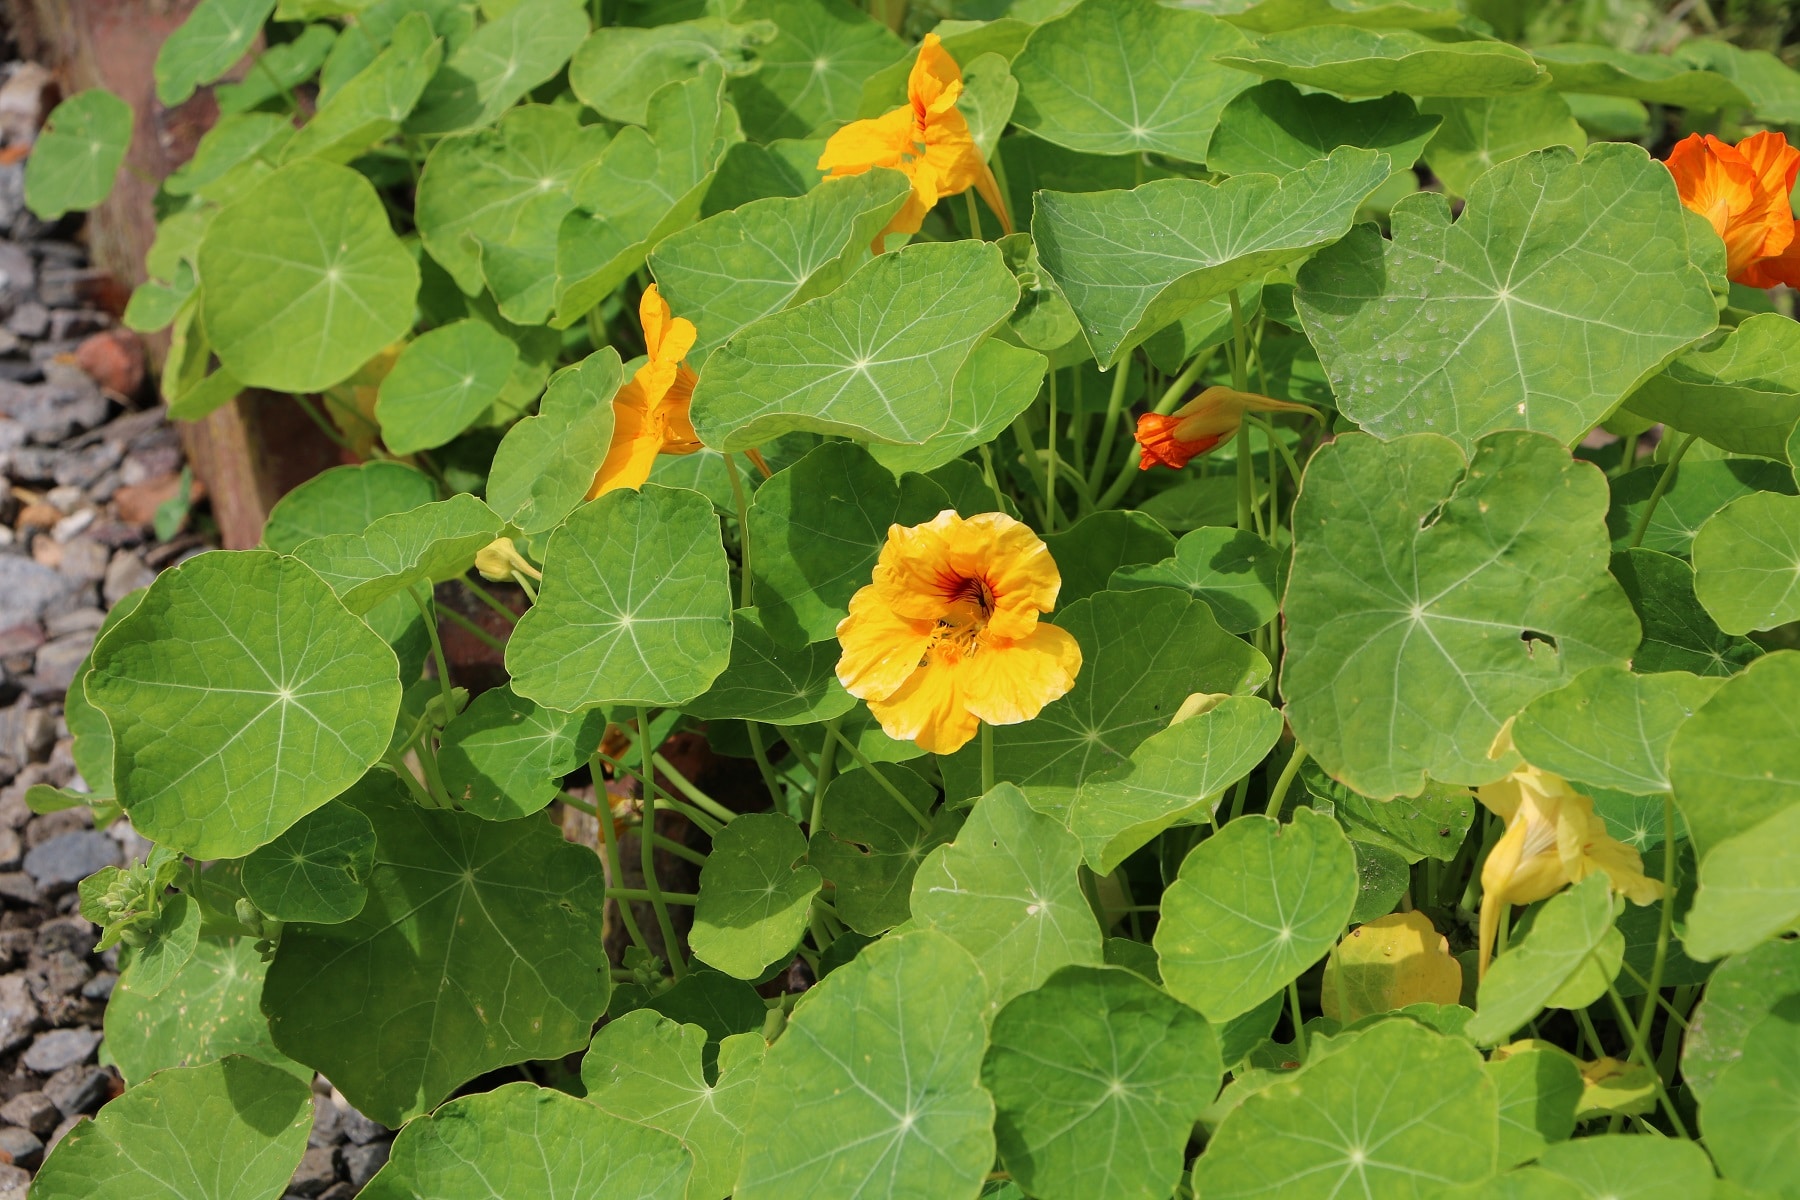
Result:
x=958 y=634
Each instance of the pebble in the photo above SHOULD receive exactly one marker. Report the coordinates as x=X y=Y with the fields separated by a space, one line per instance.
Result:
x=100 y=987
x=20 y=1146
x=66 y=860
x=19 y=1014
x=31 y=1110
x=361 y=1162
x=30 y=591
x=79 y=1089
x=60 y=1048
x=126 y=573
x=13 y=1181
x=317 y=1171
x=360 y=1129
x=57 y=662
x=19 y=887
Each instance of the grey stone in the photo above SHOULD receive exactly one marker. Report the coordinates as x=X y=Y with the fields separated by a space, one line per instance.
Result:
x=74 y=523
x=29 y=320
x=51 y=411
x=31 y=1110
x=55 y=982
x=32 y=464
x=316 y=1172
x=126 y=573
x=20 y=888
x=361 y=1162
x=77 y=322
x=80 y=468
x=79 y=1089
x=62 y=287
x=100 y=987
x=337 y=1191
x=77 y=620
x=14 y=1180
x=360 y=1129
x=14 y=812
x=326 y=1129
x=20 y=1146
x=18 y=276
x=11 y=851
x=18 y=1012
x=45 y=826
x=60 y=1048
x=30 y=591
x=66 y=860
x=21 y=639
x=58 y=659
x=152 y=462
x=27 y=731
x=72 y=935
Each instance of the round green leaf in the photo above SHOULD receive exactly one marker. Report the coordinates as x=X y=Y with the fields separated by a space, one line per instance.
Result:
x=1273 y=16
x=370 y=107
x=500 y=62
x=242 y=695
x=305 y=280
x=1255 y=904
x=317 y=871
x=214 y=36
x=1142 y=654
x=996 y=384
x=504 y=757
x=872 y=360
x=1098 y=1078
x=1736 y=762
x=227 y=1130
x=1088 y=552
x=402 y=552
x=345 y=500
x=1432 y=824
x=210 y=1009
x=1007 y=891
x=1747 y=563
x=1273 y=127
x=1129 y=263
x=523 y=1142
x=646 y=1068
x=1526 y=1183
x=1174 y=777
x=1381 y=880
x=1127 y=77
x=1632 y=1168
x=1657 y=78
x=869 y=847
x=1539 y=1088
x=1569 y=927
x=1678 y=633
x=1430 y=599
x=754 y=898
x=507 y=910
x=1751 y=1119
x=1699 y=490
x=635 y=606
x=1749 y=888
x=441 y=382
x=1233 y=570
x=158 y=961
x=738 y=266
x=1400 y=1111
x=1564 y=282
x=618 y=68
x=767 y=681
x=1361 y=62
x=1611 y=728
x=78 y=154
x=1476 y=134
x=1740 y=992
x=874 y=1089
x=90 y=731
x=812 y=72
x=546 y=463
x=1741 y=393
x=490 y=203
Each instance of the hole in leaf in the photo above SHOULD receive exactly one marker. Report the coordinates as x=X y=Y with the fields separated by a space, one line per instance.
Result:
x=1532 y=637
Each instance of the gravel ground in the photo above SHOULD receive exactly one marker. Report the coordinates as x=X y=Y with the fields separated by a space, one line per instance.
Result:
x=87 y=461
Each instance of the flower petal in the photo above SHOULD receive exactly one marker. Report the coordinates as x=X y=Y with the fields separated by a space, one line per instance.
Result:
x=882 y=141
x=1010 y=682
x=881 y=649
x=928 y=710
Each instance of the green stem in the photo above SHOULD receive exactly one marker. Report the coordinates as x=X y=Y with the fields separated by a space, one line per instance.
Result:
x=815 y=920
x=423 y=798
x=433 y=778
x=525 y=586
x=647 y=846
x=698 y=798
x=1172 y=394
x=1247 y=516
x=319 y=419
x=1623 y=1016
x=887 y=784
x=1049 y=457
x=655 y=896
x=615 y=863
x=492 y=601
x=287 y=93
x=1656 y=494
x=745 y=587
x=1640 y=1034
x=1293 y=991
x=437 y=647
x=1589 y=1032
x=987 y=470
x=1028 y=450
x=1282 y=782
x=1237 y=799
x=1128 y=470
x=1115 y=403
x=1293 y=464
x=974 y=215
x=473 y=630
x=827 y=764
x=987 y=758
x=671 y=846
x=707 y=825
x=764 y=767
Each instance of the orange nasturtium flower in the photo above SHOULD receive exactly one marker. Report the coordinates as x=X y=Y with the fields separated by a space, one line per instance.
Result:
x=1200 y=425
x=947 y=636
x=1744 y=191
x=650 y=412
x=926 y=138
x=1553 y=838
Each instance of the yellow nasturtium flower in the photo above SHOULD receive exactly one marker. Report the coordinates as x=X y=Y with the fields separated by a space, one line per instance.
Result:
x=650 y=412
x=497 y=561
x=1553 y=838
x=926 y=138
x=947 y=635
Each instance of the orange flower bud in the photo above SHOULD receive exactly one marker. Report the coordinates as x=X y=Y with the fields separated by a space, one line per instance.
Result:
x=1200 y=425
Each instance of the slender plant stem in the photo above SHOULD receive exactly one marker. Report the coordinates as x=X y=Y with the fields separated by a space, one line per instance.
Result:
x=987 y=758
x=437 y=646
x=1049 y=457
x=655 y=895
x=1179 y=385
x=492 y=601
x=325 y=426
x=1656 y=494
x=671 y=846
x=1675 y=1015
x=1279 y=792
x=746 y=589
x=760 y=752
x=707 y=825
x=615 y=865
x=525 y=585
x=1293 y=464
x=1623 y=1016
x=1640 y=1034
x=987 y=470
x=691 y=790
x=1115 y=403
x=1293 y=991
x=1247 y=517
x=1128 y=470
x=815 y=921
x=647 y=847
x=887 y=784
x=397 y=764
x=1589 y=1032
x=1028 y=450
x=1237 y=798
x=827 y=764
x=473 y=630
x=974 y=215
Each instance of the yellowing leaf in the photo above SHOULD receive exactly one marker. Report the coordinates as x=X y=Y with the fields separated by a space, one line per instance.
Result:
x=1398 y=960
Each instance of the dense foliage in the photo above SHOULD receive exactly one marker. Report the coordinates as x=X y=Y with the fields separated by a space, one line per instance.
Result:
x=1182 y=604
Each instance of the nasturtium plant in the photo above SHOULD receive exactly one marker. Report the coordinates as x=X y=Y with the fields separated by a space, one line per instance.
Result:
x=1043 y=600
